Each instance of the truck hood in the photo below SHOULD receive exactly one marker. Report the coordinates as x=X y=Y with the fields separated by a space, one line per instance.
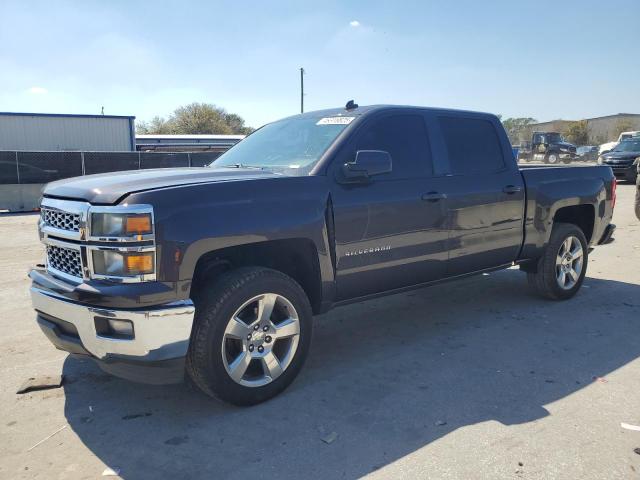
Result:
x=621 y=155
x=109 y=188
x=565 y=145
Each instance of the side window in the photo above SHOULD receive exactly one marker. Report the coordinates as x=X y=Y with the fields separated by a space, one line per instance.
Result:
x=473 y=145
x=405 y=138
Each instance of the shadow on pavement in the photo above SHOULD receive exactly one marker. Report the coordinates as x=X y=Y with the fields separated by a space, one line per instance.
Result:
x=384 y=375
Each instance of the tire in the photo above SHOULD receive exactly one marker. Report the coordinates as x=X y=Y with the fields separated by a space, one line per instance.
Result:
x=547 y=280
x=551 y=158
x=214 y=348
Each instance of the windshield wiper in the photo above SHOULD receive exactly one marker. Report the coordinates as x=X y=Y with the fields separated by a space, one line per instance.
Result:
x=241 y=165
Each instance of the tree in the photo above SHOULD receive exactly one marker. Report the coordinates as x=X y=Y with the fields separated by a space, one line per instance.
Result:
x=519 y=128
x=157 y=125
x=577 y=132
x=197 y=118
x=622 y=125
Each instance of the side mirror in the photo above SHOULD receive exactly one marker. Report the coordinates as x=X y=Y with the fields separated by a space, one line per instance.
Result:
x=367 y=164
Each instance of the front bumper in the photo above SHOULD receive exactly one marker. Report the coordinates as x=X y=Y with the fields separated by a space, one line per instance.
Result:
x=627 y=172
x=154 y=353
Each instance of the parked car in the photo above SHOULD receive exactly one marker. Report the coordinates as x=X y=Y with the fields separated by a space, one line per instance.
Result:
x=623 y=159
x=218 y=271
x=638 y=191
x=607 y=147
x=587 y=153
x=547 y=147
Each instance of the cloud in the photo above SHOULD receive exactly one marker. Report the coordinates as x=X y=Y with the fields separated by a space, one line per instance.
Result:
x=354 y=23
x=38 y=90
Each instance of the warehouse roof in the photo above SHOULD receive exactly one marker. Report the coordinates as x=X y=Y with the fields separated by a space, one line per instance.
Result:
x=24 y=114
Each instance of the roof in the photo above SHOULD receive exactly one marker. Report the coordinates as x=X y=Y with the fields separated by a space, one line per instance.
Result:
x=591 y=118
x=76 y=115
x=190 y=137
x=364 y=109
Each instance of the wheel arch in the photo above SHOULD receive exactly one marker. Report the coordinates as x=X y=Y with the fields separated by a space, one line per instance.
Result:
x=296 y=257
x=583 y=216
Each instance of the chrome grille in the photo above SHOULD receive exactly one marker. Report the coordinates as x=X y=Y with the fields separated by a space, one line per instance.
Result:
x=61 y=220
x=65 y=260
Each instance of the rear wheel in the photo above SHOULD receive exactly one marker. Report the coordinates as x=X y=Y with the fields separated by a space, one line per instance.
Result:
x=251 y=336
x=562 y=267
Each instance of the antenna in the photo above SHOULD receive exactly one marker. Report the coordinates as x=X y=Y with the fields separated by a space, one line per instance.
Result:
x=301 y=90
x=351 y=105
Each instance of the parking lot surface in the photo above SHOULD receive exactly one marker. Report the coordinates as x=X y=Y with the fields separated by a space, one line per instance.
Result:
x=472 y=379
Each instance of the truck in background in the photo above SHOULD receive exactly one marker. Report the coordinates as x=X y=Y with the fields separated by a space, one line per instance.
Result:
x=547 y=147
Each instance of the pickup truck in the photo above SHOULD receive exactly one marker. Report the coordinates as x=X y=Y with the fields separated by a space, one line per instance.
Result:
x=609 y=146
x=547 y=147
x=217 y=272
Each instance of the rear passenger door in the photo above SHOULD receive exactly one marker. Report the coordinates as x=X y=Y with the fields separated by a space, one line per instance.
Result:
x=389 y=233
x=485 y=194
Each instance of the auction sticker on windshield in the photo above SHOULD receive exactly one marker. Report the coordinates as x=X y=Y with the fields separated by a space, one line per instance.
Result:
x=335 y=121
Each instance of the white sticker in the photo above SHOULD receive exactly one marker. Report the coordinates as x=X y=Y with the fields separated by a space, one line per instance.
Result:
x=335 y=121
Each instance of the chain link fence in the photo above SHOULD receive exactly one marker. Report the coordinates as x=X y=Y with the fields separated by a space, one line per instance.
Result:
x=22 y=174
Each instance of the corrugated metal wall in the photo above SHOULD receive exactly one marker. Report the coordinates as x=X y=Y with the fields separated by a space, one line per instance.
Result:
x=56 y=133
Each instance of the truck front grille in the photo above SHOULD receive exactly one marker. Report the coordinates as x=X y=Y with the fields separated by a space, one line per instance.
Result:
x=60 y=220
x=65 y=260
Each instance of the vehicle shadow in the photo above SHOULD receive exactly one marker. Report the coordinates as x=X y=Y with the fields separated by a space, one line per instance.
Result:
x=388 y=377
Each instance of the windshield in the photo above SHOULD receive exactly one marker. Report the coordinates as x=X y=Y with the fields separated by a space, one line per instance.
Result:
x=292 y=146
x=554 y=138
x=628 y=146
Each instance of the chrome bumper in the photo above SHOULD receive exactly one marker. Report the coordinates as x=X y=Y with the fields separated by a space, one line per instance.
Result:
x=159 y=333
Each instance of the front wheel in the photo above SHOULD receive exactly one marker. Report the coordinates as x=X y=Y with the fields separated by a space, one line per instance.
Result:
x=562 y=267
x=251 y=336
x=551 y=158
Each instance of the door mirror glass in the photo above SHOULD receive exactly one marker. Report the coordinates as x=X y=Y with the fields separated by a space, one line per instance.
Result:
x=367 y=164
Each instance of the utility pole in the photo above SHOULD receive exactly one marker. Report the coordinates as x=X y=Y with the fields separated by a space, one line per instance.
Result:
x=301 y=90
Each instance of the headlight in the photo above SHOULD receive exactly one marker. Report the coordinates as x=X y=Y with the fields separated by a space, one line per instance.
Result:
x=113 y=263
x=121 y=224
x=122 y=243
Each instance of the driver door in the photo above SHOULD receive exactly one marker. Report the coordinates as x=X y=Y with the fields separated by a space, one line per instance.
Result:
x=390 y=232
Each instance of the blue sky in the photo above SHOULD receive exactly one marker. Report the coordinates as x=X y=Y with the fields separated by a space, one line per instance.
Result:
x=545 y=59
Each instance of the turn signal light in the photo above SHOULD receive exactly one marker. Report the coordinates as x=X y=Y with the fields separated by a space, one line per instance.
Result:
x=139 y=263
x=138 y=224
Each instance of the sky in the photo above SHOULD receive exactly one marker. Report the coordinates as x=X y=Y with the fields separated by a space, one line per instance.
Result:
x=543 y=59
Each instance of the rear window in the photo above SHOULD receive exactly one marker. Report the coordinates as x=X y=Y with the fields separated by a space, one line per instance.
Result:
x=472 y=144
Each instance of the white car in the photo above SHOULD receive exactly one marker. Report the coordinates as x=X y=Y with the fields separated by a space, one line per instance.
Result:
x=607 y=147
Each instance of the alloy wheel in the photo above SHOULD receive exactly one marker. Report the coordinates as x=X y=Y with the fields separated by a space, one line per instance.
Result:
x=260 y=340
x=569 y=262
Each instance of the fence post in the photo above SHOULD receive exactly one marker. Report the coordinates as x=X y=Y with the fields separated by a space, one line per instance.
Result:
x=17 y=168
x=189 y=157
x=139 y=161
x=82 y=162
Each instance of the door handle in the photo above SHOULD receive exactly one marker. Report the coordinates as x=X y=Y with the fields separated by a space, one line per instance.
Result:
x=511 y=189
x=434 y=196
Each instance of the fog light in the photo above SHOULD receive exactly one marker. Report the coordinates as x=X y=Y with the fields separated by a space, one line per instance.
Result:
x=112 y=328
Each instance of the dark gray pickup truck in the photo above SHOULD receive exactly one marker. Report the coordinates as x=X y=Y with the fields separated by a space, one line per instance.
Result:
x=217 y=272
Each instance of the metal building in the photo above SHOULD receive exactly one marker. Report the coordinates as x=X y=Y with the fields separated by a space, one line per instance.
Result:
x=601 y=129
x=186 y=143
x=66 y=132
